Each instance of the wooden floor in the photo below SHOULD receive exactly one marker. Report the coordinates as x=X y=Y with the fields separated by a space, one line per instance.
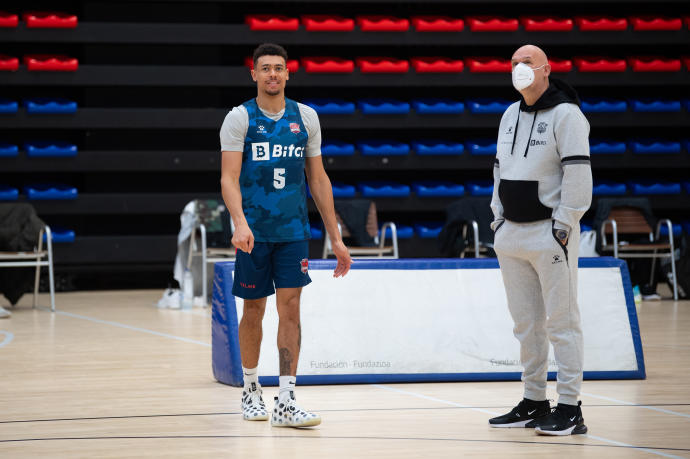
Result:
x=109 y=375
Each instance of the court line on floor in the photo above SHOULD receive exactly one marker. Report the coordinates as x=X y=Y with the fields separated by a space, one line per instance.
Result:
x=9 y=336
x=623 y=402
x=129 y=327
x=447 y=402
x=329 y=437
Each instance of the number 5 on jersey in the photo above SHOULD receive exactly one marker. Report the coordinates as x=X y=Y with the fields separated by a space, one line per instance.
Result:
x=279 y=178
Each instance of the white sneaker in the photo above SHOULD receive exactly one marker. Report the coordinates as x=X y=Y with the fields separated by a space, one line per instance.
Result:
x=288 y=414
x=253 y=407
x=4 y=313
x=170 y=299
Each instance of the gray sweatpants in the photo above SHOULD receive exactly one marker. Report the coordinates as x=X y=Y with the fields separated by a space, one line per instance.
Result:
x=541 y=287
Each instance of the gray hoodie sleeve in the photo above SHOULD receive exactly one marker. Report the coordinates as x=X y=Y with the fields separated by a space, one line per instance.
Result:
x=572 y=138
x=496 y=205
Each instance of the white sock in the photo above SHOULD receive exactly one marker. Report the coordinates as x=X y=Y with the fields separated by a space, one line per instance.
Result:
x=287 y=385
x=250 y=376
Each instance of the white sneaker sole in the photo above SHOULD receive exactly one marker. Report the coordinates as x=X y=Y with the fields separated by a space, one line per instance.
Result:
x=568 y=431
x=306 y=423
x=256 y=418
x=514 y=424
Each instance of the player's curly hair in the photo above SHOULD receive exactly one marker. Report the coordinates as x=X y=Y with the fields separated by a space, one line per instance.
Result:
x=269 y=49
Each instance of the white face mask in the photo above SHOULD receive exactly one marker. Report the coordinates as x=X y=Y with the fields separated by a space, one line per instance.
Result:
x=523 y=75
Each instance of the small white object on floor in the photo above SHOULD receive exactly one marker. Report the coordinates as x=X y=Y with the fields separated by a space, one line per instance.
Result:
x=199 y=302
x=170 y=299
x=4 y=313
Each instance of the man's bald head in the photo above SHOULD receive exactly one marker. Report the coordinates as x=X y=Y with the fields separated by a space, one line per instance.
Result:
x=531 y=55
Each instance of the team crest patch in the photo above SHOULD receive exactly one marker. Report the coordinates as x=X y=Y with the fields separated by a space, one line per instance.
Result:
x=305 y=265
x=294 y=127
x=541 y=127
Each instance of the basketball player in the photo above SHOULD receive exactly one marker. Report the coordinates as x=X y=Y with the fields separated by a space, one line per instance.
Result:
x=268 y=145
x=542 y=187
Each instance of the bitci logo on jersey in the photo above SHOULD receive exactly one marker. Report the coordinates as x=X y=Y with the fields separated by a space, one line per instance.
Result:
x=305 y=265
x=294 y=127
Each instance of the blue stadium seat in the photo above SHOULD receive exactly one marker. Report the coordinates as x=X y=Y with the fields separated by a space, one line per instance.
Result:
x=437 y=106
x=649 y=146
x=41 y=148
x=331 y=106
x=482 y=106
x=381 y=189
x=403 y=232
x=383 y=107
x=383 y=148
x=428 y=230
x=342 y=190
x=601 y=105
x=655 y=105
x=8 y=106
x=677 y=230
x=8 y=150
x=480 y=188
x=437 y=147
x=649 y=187
x=50 y=192
x=598 y=147
x=337 y=148
x=8 y=193
x=606 y=188
x=50 y=105
x=428 y=189
x=316 y=233
x=481 y=146
x=60 y=235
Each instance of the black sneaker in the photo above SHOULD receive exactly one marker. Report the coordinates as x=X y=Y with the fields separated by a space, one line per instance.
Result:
x=563 y=420
x=526 y=411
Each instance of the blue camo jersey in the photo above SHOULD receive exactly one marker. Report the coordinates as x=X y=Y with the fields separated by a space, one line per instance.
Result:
x=272 y=178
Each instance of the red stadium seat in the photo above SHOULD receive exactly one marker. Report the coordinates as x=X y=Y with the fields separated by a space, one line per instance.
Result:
x=656 y=23
x=50 y=63
x=9 y=63
x=292 y=64
x=437 y=65
x=382 y=65
x=488 y=64
x=596 y=23
x=50 y=20
x=686 y=61
x=437 y=24
x=492 y=24
x=327 y=65
x=271 y=22
x=546 y=24
x=654 y=64
x=8 y=19
x=599 y=64
x=327 y=23
x=382 y=24
x=561 y=65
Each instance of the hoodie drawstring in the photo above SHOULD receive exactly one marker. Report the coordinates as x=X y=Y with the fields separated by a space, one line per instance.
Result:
x=515 y=133
x=534 y=120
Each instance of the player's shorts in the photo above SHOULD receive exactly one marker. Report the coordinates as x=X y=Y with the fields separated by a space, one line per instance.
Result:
x=279 y=264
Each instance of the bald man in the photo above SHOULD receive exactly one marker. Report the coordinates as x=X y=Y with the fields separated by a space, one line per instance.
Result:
x=542 y=187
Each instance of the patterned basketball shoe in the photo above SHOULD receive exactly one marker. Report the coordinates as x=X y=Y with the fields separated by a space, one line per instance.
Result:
x=253 y=408
x=288 y=414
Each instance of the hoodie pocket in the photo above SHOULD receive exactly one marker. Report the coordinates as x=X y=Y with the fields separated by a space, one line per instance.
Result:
x=520 y=200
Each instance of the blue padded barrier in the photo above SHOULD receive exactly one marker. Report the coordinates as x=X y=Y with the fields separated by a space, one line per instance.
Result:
x=331 y=106
x=601 y=105
x=605 y=188
x=50 y=192
x=8 y=106
x=8 y=193
x=60 y=235
x=650 y=187
x=655 y=105
x=403 y=232
x=480 y=188
x=383 y=107
x=428 y=230
x=383 y=148
x=437 y=147
x=481 y=147
x=50 y=105
x=483 y=106
x=597 y=147
x=380 y=189
x=654 y=146
x=342 y=190
x=39 y=149
x=429 y=189
x=437 y=106
x=677 y=230
x=337 y=148
x=8 y=150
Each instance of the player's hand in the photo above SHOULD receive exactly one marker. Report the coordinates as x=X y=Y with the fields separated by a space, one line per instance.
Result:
x=243 y=238
x=344 y=260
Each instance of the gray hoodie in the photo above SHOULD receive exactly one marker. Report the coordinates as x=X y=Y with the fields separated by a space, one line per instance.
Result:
x=542 y=168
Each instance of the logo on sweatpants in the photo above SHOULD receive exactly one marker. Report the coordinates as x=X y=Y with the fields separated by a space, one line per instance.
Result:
x=305 y=265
